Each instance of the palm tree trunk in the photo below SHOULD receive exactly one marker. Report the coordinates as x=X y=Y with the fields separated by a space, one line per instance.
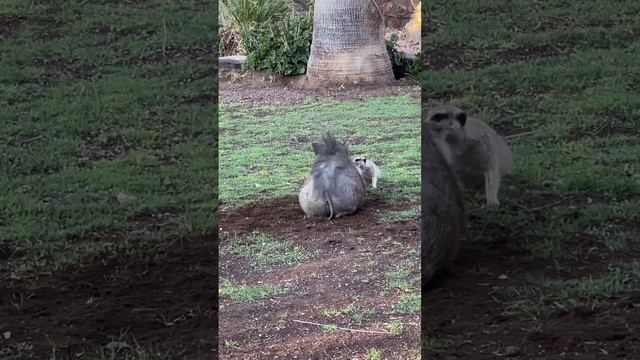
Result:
x=348 y=43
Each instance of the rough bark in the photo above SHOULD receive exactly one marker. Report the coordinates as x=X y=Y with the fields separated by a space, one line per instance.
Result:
x=348 y=43
x=443 y=214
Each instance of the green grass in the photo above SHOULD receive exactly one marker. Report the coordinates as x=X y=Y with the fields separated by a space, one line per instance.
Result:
x=563 y=100
x=102 y=106
x=264 y=252
x=389 y=217
x=351 y=311
x=544 y=296
x=373 y=354
x=402 y=277
x=576 y=182
x=330 y=328
x=396 y=328
x=266 y=153
x=114 y=350
x=245 y=293
x=231 y=344
x=408 y=304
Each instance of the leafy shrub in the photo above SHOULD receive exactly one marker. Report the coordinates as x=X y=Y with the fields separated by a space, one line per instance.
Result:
x=283 y=47
x=415 y=69
x=241 y=17
x=397 y=60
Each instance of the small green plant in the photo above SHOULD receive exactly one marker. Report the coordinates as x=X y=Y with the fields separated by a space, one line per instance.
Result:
x=396 y=328
x=401 y=278
x=408 y=304
x=330 y=328
x=397 y=60
x=415 y=68
x=231 y=344
x=248 y=293
x=282 y=47
x=373 y=354
x=331 y=312
x=394 y=54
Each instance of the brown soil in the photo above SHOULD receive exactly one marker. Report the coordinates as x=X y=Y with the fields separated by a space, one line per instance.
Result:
x=480 y=327
x=164 y=300
x=336 y=276
x=252 y=88
x=10 y=25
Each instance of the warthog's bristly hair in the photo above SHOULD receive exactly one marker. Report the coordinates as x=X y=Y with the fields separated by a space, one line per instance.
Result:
x=331 y=145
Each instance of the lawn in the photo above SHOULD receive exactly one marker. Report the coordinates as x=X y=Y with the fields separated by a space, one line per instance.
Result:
x=554 y=270
x=108 y=162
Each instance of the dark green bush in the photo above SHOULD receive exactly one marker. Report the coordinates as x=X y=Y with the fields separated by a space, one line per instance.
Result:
x=283 y=47
x=397 y=60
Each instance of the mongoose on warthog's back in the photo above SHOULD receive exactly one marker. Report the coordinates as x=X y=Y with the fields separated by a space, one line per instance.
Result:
x=335 y=188
x=442 y=211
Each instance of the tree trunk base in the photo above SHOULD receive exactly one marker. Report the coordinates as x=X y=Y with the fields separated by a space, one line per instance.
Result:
x=367 y=65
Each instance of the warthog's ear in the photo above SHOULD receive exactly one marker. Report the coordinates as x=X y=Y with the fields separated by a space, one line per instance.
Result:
x=316 y=148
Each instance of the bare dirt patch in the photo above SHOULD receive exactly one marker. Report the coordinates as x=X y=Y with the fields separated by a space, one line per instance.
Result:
x=257 y=88
x=10 y=25
x=351 y=258
x=106 y=146
x=481 y=327
x=164 y=299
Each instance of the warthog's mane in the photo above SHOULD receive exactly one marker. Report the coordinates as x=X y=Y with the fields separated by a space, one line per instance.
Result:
x=331 y=146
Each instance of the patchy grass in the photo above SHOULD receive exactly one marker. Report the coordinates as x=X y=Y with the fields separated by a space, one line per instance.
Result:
x=396 y=328
x=108 y=147
x=249 y=293
x=402 y=278
x=264 y=252
x=408 y=304
x=402 y=215
x=563 y=82
x=351 y=311
x=541 y=297
x=267 y=153
x=373 y=354
x=337 y=269
x=103 y=150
